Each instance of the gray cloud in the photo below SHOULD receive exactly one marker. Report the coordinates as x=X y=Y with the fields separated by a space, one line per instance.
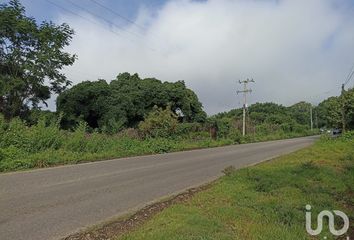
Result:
x=295 y=50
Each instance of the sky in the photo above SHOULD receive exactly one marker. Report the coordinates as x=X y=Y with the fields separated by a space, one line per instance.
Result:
x=293 y=49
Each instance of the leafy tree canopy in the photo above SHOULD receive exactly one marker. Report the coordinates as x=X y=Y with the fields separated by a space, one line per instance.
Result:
x=330 y=110
x=125 y=101
x=329 y=113
x=300 y=112
x=31 y=57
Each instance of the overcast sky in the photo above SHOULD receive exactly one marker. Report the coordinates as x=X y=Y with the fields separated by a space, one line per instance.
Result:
x=294 y=49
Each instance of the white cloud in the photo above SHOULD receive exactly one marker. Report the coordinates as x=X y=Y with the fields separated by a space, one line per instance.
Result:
x=295 y=50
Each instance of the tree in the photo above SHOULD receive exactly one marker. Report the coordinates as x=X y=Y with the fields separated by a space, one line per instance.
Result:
x=349 y=108
x=330 y=110
x=265 y=112
x=31 y=55
x=300 y=112
x=329 y=113
x=139 y=96
x=125 y=102
x=87 y=101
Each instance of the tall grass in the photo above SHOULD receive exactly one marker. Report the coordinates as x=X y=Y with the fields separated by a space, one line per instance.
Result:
x=43 y=145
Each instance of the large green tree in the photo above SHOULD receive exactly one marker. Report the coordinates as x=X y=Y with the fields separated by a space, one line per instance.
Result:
x=125 y=101
x=301 y=112
x=330 y=111
x=87 y=101
x=348 y=97
x=267 y=112
x=31 y=60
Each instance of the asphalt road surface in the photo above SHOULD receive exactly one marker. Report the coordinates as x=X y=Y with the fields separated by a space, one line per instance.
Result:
x=55 y=202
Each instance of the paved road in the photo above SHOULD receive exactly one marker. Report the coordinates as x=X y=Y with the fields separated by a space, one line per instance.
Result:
x=52 y=203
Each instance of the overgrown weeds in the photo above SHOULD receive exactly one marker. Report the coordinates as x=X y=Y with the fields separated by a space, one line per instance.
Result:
x=45 y=144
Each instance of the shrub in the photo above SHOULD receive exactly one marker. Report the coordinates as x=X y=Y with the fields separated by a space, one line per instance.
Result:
x=76 y=141
x=15 y=134
x=129 y=133
x=42 y=137
x=3 y=125
x=112 y=126
x=348 y=136
x=159 y=123
x=223 y=126
x=235 y=135
x=160 y=145
x=187 y=128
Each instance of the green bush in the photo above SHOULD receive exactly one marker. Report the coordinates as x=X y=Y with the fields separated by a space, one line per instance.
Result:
x=235 y=135
x=77 y=140
x=16 y=134
x=42 y=137
x=45 y=144
x=349 y=135
x=223 y=126
x=183 y=129
x=159 y=123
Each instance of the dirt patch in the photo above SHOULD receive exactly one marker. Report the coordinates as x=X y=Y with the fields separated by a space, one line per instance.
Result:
x=119 y=227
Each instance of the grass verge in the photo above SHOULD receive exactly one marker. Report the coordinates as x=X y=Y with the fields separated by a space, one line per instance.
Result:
x=266 y=201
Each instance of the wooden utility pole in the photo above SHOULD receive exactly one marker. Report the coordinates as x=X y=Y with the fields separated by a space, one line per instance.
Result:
x=343 y=107
x=245 y=91
x=311 y=116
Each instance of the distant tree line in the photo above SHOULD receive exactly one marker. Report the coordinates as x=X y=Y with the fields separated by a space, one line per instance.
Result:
x=327 y=114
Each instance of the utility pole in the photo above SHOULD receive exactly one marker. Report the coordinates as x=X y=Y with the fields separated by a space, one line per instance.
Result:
x=343 y=108
x=311 y=116
x=245 y=91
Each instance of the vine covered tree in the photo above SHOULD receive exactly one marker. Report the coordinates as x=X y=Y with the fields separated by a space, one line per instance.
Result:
x=31 y=57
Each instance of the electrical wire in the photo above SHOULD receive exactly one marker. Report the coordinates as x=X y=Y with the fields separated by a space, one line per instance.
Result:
x=85 y=18
x=350 y=75
x=117 y=14
x=104 y=19
x=94 y=22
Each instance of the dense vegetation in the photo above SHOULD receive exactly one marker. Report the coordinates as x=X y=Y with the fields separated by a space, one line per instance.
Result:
x=330 y=111
x=267 y=118
x=328 y=114
x=42 y=145
x=125 y=101
x=266 y=201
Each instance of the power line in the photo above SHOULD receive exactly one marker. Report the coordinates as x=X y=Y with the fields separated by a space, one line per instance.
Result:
x=94 y=22
x=85 y=18
x=347 y=80
x=109 y=22
x=122 y=17
x=350 y=75
x=104 y=19
x=117 y=14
